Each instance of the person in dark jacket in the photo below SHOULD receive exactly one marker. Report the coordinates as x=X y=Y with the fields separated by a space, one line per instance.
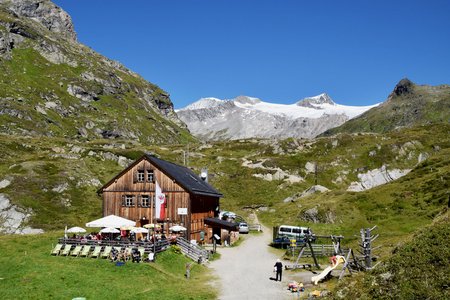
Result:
x=279 y=269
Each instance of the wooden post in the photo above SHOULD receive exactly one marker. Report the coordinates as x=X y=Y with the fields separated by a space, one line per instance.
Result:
x=188 y=270
x=367 y=249
x=300 y=255
x=313 y=255
x=366 y=245
x=346 y=265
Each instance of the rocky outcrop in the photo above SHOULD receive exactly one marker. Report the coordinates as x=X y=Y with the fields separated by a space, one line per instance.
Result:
x=273 y=174
x=405 y=86
x=46 y=13
x=13 y=218
x=315 y=215
x=80 y=93
x=375 y=178
x=314 y=189
x=314 y=102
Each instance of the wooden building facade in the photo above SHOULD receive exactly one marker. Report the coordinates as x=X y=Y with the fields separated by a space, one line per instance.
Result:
x=189 y=199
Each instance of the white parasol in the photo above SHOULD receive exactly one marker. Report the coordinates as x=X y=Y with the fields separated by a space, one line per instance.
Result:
x=110 y=230
x=151 y=225
x=177 y=228
x=139 y=230
x=76 y=230
x=111 y=221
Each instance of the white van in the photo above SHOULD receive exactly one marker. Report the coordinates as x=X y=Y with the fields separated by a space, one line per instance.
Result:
x=293 y=232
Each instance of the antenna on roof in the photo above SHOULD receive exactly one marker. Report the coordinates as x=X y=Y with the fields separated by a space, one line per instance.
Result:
x=204 y=174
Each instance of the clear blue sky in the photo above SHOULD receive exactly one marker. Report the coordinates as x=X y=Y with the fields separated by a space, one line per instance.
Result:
x=279 y=51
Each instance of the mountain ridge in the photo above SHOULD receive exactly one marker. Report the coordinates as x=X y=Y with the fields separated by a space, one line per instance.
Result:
x=250 y=117
x=51 y=85
x=408 y=105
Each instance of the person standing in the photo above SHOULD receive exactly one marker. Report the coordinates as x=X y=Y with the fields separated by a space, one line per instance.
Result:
x=279 y=269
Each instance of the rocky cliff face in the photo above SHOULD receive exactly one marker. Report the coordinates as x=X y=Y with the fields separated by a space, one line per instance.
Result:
x=46 y=13
x=51 y=85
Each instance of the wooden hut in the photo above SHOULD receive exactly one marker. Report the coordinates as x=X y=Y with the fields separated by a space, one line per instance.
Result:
x=189 y=198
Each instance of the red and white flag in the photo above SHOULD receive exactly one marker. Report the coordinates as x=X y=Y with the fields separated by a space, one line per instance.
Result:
x=160 y=203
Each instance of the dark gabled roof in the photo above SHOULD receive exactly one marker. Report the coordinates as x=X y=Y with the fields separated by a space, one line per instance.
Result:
x=221 y=224
x=183 y=176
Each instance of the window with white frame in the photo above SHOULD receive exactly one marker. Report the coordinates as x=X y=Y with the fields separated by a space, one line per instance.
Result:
x=140 y=176
x=128 y=200
x=145 y=201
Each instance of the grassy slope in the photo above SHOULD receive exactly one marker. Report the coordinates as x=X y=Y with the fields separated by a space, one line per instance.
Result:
x=29 y=272
x=398 y=208
x=418 y=269
x=422 y=105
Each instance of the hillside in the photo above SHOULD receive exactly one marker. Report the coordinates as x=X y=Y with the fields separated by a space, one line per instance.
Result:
x=55 y=183
x=248 y=117
x=418 y=269
x=53 y=86
x=408 y=105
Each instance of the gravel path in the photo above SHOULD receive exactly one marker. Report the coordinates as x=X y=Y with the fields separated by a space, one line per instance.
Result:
x=244 y=271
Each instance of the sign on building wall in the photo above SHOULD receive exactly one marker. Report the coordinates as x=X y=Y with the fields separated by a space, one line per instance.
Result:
x=182 y=211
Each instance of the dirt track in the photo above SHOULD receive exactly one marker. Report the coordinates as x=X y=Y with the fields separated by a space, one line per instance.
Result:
x=244 y=271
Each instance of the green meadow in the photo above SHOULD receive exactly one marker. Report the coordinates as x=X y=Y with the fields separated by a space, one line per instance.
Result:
x=28 y=271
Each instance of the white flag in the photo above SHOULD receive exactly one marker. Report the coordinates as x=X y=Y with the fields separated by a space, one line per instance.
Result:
x=160 y=202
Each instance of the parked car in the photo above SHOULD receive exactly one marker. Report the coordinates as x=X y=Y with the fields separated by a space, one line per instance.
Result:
x=281 y=242
x=294 y=232
x=243 y=227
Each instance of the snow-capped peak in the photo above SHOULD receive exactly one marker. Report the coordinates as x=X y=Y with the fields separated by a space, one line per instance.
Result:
x=208 y=102
x=315 y=101
x=311 y=107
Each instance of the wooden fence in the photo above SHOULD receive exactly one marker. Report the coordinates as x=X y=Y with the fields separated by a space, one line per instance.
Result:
x=194 y=252
x=319 y=250
x=254 y=227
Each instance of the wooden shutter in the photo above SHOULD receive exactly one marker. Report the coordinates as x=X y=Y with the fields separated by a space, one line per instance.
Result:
x=123 y=200
x=139 y=200
x=135 y=176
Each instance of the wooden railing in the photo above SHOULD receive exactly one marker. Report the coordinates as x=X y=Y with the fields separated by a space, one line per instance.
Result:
x=254 y=227
x=194 y=252
x=159 y=246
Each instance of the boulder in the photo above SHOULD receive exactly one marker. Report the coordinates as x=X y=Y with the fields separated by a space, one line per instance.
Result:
x=313 y=189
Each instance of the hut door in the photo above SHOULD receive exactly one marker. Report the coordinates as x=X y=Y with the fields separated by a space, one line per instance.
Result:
x=143 y=221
